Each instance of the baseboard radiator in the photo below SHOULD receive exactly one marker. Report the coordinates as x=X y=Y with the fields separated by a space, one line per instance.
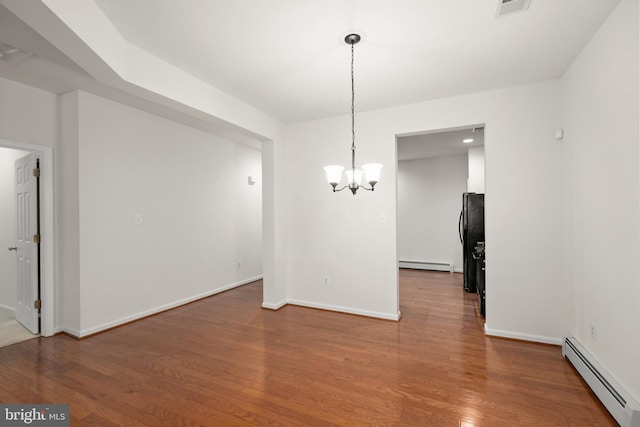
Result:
x=427 y=265
x=618 y=402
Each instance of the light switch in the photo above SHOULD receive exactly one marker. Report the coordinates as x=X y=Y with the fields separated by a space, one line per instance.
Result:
x=383 y=219
x=137 y=219
x=559 y=134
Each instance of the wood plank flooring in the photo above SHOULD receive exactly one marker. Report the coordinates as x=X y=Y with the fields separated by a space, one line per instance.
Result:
x=225 y=361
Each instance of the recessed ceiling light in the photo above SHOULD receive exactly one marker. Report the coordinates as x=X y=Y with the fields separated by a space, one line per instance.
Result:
x=12 y=54
x=467 y=141
x=507 y=7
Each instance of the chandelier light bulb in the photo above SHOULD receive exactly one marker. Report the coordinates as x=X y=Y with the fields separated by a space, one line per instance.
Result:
x=334 y=174
x=372 y=173
x=354 y=176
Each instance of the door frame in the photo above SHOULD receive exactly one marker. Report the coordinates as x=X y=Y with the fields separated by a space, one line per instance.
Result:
x=47 y=245
x=482 y=124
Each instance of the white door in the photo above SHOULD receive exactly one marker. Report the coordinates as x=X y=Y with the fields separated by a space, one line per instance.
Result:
x=27 y=246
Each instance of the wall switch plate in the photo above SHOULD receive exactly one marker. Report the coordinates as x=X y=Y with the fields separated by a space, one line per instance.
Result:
x=325 y=281
x=137 y=219
x=383 y=219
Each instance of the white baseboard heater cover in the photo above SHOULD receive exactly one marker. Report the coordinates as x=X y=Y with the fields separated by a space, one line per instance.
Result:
x=618 y=402
x=427 y=265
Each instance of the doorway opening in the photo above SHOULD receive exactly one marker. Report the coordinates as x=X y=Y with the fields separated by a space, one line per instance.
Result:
x=435 y=170
x=46 y=244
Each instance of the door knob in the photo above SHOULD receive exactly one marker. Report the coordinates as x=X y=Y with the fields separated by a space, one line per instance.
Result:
x=13 y=248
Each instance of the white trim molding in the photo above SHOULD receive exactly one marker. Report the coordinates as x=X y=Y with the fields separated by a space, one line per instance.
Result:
x=520 y=336
x=274 y=306
x=6 y=307
x=349 y=310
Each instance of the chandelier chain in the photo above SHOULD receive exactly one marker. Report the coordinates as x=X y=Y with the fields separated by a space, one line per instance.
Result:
x=353 y=120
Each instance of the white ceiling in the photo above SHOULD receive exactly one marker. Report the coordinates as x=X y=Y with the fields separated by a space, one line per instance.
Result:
x=48 y=69
x=288 y=57
x=440 y=143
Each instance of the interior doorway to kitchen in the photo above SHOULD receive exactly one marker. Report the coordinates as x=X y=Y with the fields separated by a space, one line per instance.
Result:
x=435 y=170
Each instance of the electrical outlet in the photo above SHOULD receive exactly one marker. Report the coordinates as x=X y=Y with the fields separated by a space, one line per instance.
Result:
x=137 y=219
x=593 y=331
x=239 y=264
x=325 y=281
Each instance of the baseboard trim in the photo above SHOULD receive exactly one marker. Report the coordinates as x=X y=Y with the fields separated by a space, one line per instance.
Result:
x=6 y=307
x=85 y=333
x=73 y=333
x=521 y=337
x=347 y=310
x=274 y=306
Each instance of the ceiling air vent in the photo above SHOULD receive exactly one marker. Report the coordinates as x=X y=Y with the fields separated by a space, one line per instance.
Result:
x=507 y=7
x=12 y=54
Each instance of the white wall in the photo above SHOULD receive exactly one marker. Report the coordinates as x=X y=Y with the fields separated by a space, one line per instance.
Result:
x=274 y=224
x=68 y=214
x=337 y=234
x=476 y=170
x=200 y=216
x=8 y=265
x=340 y=235
x=27 y=114
x=248 y=212
x=429 y=203
x=600 y=98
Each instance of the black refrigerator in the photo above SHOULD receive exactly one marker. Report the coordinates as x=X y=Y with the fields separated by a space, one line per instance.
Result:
x=471 y=229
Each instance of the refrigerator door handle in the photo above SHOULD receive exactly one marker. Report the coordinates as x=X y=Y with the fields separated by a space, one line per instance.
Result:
x=460 y=227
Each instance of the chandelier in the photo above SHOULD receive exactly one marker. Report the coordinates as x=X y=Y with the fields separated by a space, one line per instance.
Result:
x=354 y=176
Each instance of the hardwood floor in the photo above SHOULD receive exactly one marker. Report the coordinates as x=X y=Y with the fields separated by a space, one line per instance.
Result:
x=226 y=361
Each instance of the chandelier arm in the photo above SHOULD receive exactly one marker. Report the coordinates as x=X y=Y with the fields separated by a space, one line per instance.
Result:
x=340 y=189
